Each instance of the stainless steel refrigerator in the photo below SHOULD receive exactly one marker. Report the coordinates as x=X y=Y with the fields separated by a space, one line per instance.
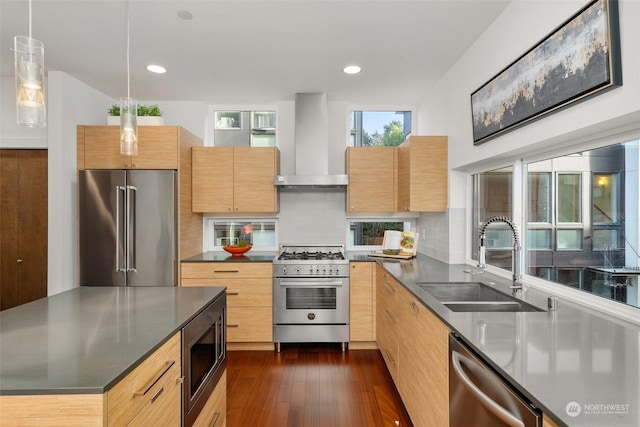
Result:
x=127 y=228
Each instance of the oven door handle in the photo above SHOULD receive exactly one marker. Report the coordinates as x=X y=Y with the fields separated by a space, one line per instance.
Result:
x=313 y=283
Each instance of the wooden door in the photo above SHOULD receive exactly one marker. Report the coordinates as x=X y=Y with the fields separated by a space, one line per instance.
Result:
x=254 y=170
x=361 y=309
x=23 y=226
x=212 y=179
x=371 y=179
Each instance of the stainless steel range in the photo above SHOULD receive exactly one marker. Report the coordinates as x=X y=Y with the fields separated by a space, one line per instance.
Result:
x=311 y=295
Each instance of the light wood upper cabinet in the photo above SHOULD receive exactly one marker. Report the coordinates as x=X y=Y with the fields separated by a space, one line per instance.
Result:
x=235 y=179
x=423 y=174
x=372 y=179
x=99 y=148
x=362 y=293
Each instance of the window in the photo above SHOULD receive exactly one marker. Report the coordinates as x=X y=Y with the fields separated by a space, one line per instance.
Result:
x=594 y=234
x=492 y=197
x=259 y=233
x=581 y=212
x=379 y=128
x=243 y=128
x=369 y=233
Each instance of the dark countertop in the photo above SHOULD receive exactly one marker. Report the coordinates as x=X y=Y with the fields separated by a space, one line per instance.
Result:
x=221 y=256
x=575 y=354
x=83 y=341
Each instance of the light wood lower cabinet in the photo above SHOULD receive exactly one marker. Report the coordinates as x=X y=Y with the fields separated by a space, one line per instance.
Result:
x=151 y=393
x=214 y=412
x=249 y=295
x=423 y=363
x=414 y=344
x=387 y=321
x=362 y=297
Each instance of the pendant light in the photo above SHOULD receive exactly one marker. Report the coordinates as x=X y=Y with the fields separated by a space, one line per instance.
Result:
x=29 y=69
x=128 y=113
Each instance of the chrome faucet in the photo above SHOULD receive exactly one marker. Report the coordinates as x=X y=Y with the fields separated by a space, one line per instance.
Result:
x=515 y=257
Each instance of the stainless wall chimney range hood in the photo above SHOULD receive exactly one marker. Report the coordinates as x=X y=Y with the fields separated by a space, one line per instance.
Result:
x=311 y=146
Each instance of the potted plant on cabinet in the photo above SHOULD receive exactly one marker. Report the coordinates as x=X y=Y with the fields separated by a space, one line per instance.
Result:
x=148 y=115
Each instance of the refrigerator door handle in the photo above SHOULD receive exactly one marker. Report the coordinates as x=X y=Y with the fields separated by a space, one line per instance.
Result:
x=119 y=267
x=131 y=227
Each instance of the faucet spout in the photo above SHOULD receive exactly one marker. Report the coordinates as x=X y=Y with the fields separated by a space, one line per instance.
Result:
x=515 y=255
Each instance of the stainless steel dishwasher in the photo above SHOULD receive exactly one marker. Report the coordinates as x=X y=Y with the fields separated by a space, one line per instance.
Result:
x=479 y=397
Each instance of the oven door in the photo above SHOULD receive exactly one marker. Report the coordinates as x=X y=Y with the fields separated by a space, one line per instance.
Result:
x=311 y=300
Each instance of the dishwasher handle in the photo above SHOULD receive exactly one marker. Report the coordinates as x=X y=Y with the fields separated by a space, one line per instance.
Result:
x=487 y=402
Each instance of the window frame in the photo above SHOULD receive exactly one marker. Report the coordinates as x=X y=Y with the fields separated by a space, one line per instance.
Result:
x=209 y=236
x=578 y=145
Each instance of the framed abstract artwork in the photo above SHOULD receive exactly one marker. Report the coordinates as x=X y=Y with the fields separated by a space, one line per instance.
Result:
x=576 y=61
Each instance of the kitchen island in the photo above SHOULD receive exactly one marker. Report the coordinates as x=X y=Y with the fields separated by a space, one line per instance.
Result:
x=85 y=341
x=561 y=360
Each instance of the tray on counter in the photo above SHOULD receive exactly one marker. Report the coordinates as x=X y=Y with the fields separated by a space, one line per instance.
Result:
x=383 y=255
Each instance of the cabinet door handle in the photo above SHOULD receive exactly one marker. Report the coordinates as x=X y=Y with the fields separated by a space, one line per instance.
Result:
x=391 y=288
x=232 y=325
x=389 y=315
x=216 y=417
x=414 y=305
x=168 y=364
x=233 y=293
x=19 y=261
x=226 y=271
x=156 y=394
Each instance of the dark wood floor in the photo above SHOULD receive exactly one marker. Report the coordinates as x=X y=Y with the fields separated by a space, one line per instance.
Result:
x=308 y=385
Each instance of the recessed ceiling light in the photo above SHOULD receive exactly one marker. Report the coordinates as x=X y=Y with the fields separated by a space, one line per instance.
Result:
x=351 y=69
x=158 y=69
x=184 y=14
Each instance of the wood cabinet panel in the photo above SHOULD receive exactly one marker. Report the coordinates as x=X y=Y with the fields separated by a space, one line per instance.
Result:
x=58 y=410
x=254 y=170
x=226 y=270
x=387 y=320
x=361 y=297
x=372 y=179
x=235 y=179
x=249 y=296
x=23 y=226
x=240 y=292
x=99 y=146
x=214 y=412
x=424 y=364
x=423 y=174
x=134 y=393
x=212 y=179
x=249 y=324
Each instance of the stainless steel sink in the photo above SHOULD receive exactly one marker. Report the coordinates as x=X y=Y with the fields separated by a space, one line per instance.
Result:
x=475 y=296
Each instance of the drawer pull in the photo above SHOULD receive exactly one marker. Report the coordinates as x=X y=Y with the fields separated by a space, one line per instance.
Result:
x=233 y=293
x=391 y=288
x=414 y=305
x=157 y=394
x=232 y=325
x=216 y=417
x=391 y=359
x=155 y=379
x=226 y=271
x=389 y=315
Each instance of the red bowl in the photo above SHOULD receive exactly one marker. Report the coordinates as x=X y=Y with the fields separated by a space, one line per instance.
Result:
x=236 y=250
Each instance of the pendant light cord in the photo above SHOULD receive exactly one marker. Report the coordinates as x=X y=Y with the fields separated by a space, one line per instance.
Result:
x=128 y=88
x=29 y=21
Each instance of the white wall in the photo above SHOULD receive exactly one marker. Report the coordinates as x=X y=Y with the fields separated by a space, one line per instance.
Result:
x=446 y=108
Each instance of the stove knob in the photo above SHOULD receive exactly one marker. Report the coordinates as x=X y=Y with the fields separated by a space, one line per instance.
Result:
x=284 y=270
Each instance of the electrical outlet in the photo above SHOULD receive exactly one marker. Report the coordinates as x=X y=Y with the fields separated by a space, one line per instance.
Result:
x=423 y=233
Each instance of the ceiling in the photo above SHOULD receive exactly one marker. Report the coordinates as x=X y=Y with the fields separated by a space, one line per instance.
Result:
x=252 y=52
